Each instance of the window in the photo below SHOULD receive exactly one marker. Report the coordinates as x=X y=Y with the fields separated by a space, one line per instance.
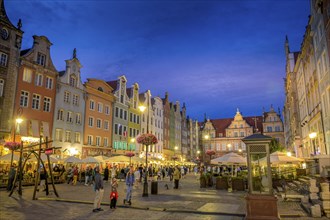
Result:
x=131 y=117
x=121 y=99
x=106 y=125
x=98 y=123
x=89 y=139
x=73 y=80
x=105 y=142
x=67 y=136
x=75 y=99
x=98 y=141
x=269 y=129
x=107 y=110
x=90 y=121
x=78 y=118
x=77 y=137
x=116 y=128
x=121 y=113
x=41 y=59
x=100 y=107
x=58 y=135
x=27 y=75
x=24 y=100
x=60 y=114
x=49 y=82
x=125 y=115
x=134 y=118
x=138 y=119
x=223 y=147
x=3 y=59
x=36 y=101
x=69 y=117
x=242 y=133
x=47 y=102
x=91 y=105
x=67 y=97
x=235 y=134
x=2 y=86
x=38 y=79
x=116 y=112
x=277 y=128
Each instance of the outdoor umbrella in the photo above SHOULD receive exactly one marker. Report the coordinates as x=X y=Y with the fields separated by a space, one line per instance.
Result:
x=90 y=160
x=44 y=158
x=281 y=158
x=230 y=158
x=72 y=159
x=101 y=158
x=118 y=159
x=7 y=158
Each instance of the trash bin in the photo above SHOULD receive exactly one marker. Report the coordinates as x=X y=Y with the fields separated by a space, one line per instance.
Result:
x=154 y=187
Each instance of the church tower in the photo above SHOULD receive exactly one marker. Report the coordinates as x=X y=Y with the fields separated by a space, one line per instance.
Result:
x=10 y=45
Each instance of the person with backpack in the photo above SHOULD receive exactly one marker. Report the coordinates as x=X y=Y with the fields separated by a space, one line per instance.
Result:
x=129 y=186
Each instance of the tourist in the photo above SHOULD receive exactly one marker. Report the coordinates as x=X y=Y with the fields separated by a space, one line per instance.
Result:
x=129 y=186
x=114 y=193
x=98 y=188
x=176 y=177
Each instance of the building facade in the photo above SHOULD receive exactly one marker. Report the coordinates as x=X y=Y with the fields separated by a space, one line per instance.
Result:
x=167 y=151
x=36 y=91
x=134 y=124
x=69 y=117
x=98 y=130
x=184 y=133
x=10 y=45
x=273 y=126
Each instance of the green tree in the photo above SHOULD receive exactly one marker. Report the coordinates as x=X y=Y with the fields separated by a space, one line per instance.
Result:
x=275 y=146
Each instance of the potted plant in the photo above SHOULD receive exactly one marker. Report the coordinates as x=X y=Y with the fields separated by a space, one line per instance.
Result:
x=221 y=182
x=238 y=183
x=202 y=181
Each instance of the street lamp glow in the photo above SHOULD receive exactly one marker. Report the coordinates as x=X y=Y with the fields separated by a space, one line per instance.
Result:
x=239 y=150
x=312 y=135
x=19 y=120
x=198 y=152
x=207 y=137
x=132 y=140
x=288 y=153
x=176 y=148
x=142 y=108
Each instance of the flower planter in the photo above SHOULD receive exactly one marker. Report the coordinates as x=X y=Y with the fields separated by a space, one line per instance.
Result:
x=238 y=184
x=221 y=183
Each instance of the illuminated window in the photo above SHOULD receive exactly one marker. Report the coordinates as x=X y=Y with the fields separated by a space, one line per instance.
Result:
x=27 y=75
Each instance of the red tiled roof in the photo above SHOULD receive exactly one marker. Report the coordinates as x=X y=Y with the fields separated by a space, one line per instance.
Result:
x=113 y=84
x=220 y=125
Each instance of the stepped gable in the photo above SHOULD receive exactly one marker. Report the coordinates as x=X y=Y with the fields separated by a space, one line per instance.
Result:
x=220 y=125
x=251 y=121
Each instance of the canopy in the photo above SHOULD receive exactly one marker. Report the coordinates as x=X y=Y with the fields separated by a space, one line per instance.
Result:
x=101 y=158
x=44 y=158
x=124 y=159
x=230 y=158
x=72 y=159
x=90 y=160
x=7 y=158
x=281 y=158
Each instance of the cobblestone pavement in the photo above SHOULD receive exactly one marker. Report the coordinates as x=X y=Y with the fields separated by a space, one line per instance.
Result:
x=187 y=202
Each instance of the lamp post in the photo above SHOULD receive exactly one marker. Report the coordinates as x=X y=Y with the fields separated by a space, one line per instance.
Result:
x=312 y=136
x=145 y=184
x=16 y=125
x=175 y=149
x=206 y=138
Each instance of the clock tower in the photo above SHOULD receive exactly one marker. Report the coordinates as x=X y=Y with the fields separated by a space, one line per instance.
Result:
x=10 y=45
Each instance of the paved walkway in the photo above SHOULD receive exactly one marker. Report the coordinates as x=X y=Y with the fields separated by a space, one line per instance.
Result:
x=187 y=202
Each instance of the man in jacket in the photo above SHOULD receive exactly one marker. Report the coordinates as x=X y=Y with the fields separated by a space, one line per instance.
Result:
x=176 y=177
x=129 y=185
x=98 y=187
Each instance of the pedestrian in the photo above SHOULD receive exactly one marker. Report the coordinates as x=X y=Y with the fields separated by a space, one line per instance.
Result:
x=106 y=174
x=12 y=173
x=137 y=178
x=75 y=175
x=88 y=175
x=176 y=177
x=129 y=186
x=98 y=188
x=170 y=173
x=114 y=193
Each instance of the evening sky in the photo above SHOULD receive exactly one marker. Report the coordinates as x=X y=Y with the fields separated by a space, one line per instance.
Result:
x=216 y=56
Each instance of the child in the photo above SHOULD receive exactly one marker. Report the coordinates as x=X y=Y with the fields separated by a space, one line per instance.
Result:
x=114 y=193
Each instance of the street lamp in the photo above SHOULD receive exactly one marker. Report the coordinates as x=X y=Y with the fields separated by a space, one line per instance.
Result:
x=145 y=184
x=17 y=122
x=313 y=136
x=175 y=149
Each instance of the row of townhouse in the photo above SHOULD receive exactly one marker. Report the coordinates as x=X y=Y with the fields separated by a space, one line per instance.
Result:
x=84 y=119
x=225 y=135
x=307 y=87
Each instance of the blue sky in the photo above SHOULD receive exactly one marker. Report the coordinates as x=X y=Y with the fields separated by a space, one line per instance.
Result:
x=215 y=56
